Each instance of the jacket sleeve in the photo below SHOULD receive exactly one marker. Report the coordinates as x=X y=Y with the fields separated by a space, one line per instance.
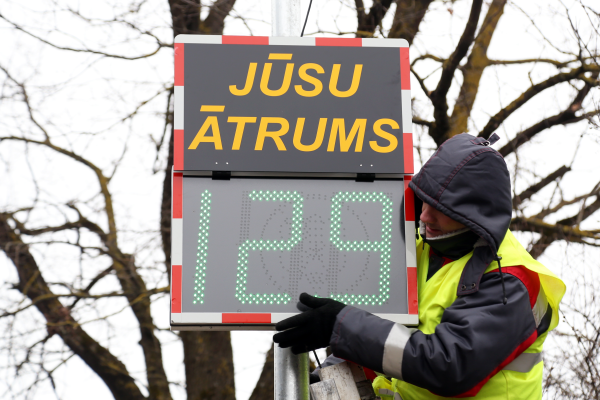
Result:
x=476 y=337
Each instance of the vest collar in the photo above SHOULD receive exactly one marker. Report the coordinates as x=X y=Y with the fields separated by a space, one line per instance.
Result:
x=452 y=245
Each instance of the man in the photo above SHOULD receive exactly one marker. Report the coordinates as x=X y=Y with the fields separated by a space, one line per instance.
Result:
x=485 y=305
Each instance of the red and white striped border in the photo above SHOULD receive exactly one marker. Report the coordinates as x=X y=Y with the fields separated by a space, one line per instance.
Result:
x=401 y=44
x=411 y=248
x=176 y=241
x=177 y=317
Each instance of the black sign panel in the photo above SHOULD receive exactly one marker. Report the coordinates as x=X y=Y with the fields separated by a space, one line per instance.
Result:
x=291 y=109
x=292 y=119
x=253 y=245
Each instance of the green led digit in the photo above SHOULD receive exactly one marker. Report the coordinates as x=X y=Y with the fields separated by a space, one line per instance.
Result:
x=260 y=245
x=200 y=278
x=383 y=246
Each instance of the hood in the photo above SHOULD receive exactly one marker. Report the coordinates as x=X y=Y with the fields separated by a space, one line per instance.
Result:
x=468 y=181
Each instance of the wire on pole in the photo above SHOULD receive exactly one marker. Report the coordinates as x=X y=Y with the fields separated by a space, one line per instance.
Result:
x=306 y=19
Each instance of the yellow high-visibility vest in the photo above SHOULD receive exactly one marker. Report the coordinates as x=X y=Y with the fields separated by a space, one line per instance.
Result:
x=439 y=292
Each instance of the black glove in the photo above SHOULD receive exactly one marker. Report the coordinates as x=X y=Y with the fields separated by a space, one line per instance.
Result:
x=312 y=329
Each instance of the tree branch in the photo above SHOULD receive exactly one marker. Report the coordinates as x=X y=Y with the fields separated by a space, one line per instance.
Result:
x=82 y=222
x=438 y=96
x=101 y=53
x=89 y=287
x=407 y=19
x=533 y=189
x=565 y=229
x=527 y=95
x=421 y=82
x=185 y=16
x=526 y=135
x=368 y=23
x=551 y=230
x=214 y=22
x=419 y=121
x=31 y=283
x=550 y=233
x=584 y=213
x=556 y=63
x=81 y=295
x=360 y=13
x=111 y=237
x=565 y=117
x=132 y=283
x=473 y=70
x=563 y=203
x=428 y=57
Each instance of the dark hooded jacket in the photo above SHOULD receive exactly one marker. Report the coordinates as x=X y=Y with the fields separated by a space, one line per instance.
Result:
x=468 y=181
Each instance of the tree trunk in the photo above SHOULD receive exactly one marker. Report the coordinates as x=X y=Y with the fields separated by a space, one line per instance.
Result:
x=265 y=387
x=208 y=363
x=408 y=17
x=208 y=357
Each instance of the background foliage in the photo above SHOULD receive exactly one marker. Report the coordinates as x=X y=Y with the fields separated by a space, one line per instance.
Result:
x=86 y=138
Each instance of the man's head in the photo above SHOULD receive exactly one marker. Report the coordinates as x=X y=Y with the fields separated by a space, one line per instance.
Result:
x=465 y=184
x=437 y=223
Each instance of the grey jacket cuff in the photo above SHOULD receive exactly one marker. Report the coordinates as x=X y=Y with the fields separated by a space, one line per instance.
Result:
x=370 y=341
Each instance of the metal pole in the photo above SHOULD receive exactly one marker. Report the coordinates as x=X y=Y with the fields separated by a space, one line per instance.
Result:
x=291 y=375
x=291 y=371
x=285 y=18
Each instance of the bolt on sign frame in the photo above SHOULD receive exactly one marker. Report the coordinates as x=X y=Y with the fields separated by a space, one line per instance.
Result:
x=292 y=158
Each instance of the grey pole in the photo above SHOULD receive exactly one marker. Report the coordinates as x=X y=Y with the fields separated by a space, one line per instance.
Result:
x=291 y=371
x=285 y=18
x=291 y=375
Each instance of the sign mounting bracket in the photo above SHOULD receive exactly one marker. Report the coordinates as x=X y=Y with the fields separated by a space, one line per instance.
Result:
x=360 y=177
x=221 y=175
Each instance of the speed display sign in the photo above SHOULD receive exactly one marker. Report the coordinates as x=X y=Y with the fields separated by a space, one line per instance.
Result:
x=292 y=158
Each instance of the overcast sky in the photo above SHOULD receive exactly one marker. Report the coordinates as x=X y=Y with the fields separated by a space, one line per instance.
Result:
x=77 y=93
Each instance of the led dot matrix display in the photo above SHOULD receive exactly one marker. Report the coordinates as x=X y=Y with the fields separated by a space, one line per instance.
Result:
x=202 y=247
x=382 y=246
x=259 y=243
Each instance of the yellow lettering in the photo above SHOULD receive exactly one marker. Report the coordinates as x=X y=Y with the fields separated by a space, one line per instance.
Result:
x=280 y=56
x=285 y=85
x=275 y=135
x=386 y=135
x=239 y=130
x=310 y=79
x=249 y=82
x=212 y=108
x=335 y=75
x=211 y=122
x=318 y=140
x=345 y=142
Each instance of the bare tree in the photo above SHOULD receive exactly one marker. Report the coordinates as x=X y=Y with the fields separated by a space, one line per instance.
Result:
x=80 y=262
x=208 y=355
x=572 y=368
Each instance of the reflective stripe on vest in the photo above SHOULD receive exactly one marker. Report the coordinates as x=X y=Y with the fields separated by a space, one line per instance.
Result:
x=387 y=392
x=524 y=362
x=435 y=297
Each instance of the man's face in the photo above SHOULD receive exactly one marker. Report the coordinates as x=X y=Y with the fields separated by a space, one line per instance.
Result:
x=438 y=223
